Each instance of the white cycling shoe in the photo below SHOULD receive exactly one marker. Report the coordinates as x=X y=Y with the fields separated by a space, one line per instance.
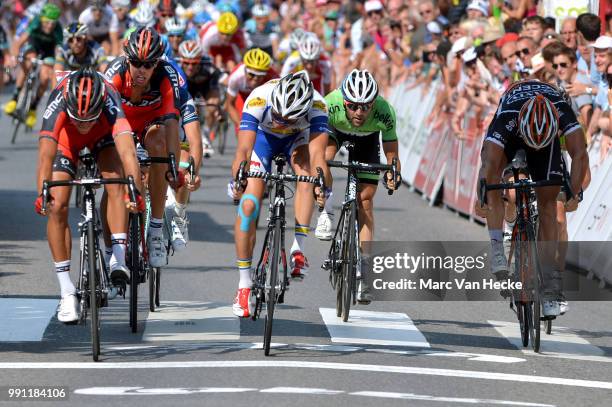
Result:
x=550 y=308
x=324 y=227
x=180 y=233
x=68 y=310
x=157 y=251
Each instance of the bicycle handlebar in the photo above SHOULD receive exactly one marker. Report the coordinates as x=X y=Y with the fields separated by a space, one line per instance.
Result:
x=172 y=173
x=524 y=183
x=94 y=182
x=354 y=165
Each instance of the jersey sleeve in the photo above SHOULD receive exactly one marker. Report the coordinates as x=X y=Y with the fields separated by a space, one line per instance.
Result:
x=54 y=116
x=253 y=110
x=288 y=66
x=503 y=125
x=318 y=115
x=233 y=83
x=567 y=118
x=389 y=122
x=171 y=98
x=59 y=57
x=114 y=112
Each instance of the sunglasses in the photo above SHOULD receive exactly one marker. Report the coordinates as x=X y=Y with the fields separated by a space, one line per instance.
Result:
x=76 y=39
x=377 y=12
x=141 y=64
x=166 y=14
x=353 y=107
x=253 y=76
x=190 y=63
x=561 y=64
x=281 y=120
x=425 y=12
x=47 y=20
x=524 y=51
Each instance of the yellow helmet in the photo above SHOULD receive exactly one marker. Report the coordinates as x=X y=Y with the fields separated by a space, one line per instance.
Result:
x=227 y=23
x=257 y=59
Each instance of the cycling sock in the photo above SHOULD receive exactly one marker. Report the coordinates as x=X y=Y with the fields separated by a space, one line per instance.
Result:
x=244 y=267
x=119 y=241
x=496 y=235
x=62 y=270
x=108 y=253
x=301 y=233
x=155 y=227
x=329 y=205
x=180 y=209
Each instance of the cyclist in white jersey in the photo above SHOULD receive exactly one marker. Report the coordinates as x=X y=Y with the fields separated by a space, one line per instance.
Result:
x=281 y=116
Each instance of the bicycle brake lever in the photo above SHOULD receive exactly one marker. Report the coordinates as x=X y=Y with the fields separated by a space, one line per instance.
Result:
x=239 y=179
x=482 y=192
x=45 y=196
x=132 y=189
x=321 y=184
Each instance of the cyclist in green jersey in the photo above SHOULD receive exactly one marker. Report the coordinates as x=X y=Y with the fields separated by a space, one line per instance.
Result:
x=39 y=40
x=358 y=114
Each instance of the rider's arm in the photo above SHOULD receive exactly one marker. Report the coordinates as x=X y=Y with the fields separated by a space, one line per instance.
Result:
x=576 y=147
x=191 y=126
x=53 y=122
x=124 y=143
x=47 y=148
x=171 y=108
x=389 y=138
x=318 y=135
x=252 y=113
x=232 y=94
x=19 y=43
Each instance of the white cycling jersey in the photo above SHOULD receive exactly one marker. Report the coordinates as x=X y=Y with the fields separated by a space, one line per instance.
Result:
x=321 y=76
x=99 y=28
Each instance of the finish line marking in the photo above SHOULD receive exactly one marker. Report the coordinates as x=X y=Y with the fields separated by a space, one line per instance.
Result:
x=469 y=374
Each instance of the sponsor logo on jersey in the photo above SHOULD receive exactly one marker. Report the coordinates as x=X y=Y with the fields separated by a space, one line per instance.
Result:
x=334 y=109
x=112 y=107
x=51 y=107
x=319 y=105
x=113 y=69
x=384 y=119
x=256 y=102
x=174 y=80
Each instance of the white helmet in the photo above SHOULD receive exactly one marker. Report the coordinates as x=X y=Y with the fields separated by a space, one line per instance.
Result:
x=190 y=50
x=292 y=96
x=144 y=15
x=359 y=87
x=260 y=10
x=175 y=26
x=309 y=47
x=295 y=37
x=120 y=3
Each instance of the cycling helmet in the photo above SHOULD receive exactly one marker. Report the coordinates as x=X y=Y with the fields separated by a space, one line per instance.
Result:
x=292 y=96
x=295 y=37
x=175 y=26
x=121 y=3
x=190 y=51
x=538 y=122
x=309 y=47
x=359 y=87
x=51 y=12
x=84 y=94
x=227 y=23
x=144 y=44
x=75 y=30
x=257 y=59
x=166 y=7
x=144 y=16
x=97 y=4
x=260 y=10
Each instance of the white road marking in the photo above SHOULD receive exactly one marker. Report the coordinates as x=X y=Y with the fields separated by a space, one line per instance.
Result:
x=469 y=374
x=476 y=357
x=373 y=328
x=191 y=321
x=141 y=391
x=562 y=343
x=301 y=390
x=25 y=319
x=427 y=397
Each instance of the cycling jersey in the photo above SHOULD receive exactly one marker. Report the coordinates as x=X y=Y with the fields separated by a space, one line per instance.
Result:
x=381 y=119
x=503 y=130
x=212 y=44
x=273 y=138
x=58 y=127
x=94 y=56
x=98 y=30
x=44 y=44
x=237 y=82
x=120 y=26
x=206 y=80
x=161 y=102
x=260 y=39
x=320 y=77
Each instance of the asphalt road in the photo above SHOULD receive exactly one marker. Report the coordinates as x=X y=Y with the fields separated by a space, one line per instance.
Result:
x=195 y=352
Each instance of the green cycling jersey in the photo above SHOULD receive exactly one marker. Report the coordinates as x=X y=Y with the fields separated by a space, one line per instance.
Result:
x=41 y=40
x=381 y=118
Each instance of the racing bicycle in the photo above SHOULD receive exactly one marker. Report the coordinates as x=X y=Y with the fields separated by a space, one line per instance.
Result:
x=26 y=96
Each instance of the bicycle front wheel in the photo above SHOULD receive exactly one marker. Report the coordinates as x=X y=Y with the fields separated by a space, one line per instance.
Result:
x=134 y=266
x=536 y=273
x=93 y=292
x=349 y=260
x=272 y=280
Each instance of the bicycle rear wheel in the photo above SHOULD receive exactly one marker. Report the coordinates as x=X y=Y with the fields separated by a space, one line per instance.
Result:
x=521 y=266
x=133 y=258
x=93 y=292
x=536 y=272
x=272 y=280
x=20 y=112
x=348 y=260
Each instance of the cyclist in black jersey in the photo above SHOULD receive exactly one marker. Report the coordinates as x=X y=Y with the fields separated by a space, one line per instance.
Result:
x=78 y=52
x=532 y=116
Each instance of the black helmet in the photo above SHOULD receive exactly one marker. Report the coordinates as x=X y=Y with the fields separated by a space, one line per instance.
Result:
x=84 y=94
x=144 y=44
x=167 y=7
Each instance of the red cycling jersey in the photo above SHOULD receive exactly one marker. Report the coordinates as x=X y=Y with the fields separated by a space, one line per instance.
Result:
x=161 y=101
x=58 y=127
x=212 y=44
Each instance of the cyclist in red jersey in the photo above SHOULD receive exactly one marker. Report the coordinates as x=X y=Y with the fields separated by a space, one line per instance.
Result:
x=313 y=60
x=223 y=41
x=84 y=111
x=149 y=89
x=253 y=72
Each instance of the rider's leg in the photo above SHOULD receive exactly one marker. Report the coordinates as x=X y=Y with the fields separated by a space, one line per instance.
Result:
x=366 y=210
x=116 y=213
x=46 y=73
x=548 y=237
x=326 y=219
x=304 y=203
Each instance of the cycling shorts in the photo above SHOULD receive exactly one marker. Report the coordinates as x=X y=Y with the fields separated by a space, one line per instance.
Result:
x=66 y=157
x=367 y=150
x=41 y=51
x=267 y=146
x=145 y=126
